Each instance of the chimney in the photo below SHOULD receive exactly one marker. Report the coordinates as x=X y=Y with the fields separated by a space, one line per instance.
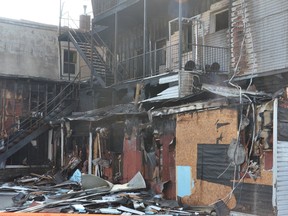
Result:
x=85 y=20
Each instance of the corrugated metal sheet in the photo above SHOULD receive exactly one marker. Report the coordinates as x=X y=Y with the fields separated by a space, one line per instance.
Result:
x=254 y=199
x=269 y=29
x=281 y=158
x=169 y=79
x=169 y=93
x=282 y=178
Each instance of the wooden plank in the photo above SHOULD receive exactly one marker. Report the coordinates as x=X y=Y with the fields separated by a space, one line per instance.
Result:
x=41 y=214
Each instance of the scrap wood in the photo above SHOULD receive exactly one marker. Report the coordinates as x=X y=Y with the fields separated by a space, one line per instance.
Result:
x=137 y=182
x=42 y=176
x=55 y=203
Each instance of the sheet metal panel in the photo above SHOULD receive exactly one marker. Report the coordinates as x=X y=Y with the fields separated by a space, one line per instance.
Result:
x=282 y=178
x=268 y=26
x=280 y=157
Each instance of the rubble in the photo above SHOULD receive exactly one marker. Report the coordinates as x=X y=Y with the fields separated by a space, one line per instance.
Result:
x=93 y=195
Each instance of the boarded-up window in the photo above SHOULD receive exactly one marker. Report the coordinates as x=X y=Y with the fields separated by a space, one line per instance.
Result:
x=213 y=163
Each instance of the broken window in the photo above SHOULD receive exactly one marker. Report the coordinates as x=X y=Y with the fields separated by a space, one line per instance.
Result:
x=70 y=61
x=187 y=43
x=219 y=21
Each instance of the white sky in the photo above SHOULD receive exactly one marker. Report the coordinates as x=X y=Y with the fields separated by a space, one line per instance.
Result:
x=45 y=11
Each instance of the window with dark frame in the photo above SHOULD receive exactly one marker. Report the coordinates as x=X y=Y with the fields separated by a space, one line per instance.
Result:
x=70 y=61
x=221 y=20
x=187 y=43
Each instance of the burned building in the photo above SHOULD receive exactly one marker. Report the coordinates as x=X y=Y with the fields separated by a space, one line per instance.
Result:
x=190 y=93
x=37 y=89
x=200 y=71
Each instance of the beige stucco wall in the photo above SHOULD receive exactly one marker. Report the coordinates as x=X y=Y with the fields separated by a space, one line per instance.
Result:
x=28 y=49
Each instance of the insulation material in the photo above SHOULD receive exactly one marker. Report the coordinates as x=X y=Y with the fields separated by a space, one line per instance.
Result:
x=204 y=127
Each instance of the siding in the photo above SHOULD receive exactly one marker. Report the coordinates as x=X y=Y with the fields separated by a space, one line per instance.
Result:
x=269 y=31
x=266 y=41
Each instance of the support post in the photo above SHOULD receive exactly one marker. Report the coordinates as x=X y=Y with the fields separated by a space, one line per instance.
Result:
x=144 y=37
x=62 y=144
x=180 y=35
x=90 y=154
x=116 y=45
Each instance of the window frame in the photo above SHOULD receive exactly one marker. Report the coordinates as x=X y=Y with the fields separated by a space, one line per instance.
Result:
x=213 y=20
x=75 y=64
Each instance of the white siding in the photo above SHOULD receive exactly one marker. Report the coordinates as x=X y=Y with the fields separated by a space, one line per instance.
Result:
x=269 y=29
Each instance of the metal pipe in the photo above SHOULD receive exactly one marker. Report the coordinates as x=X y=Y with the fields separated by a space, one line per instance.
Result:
x=275 y=149
x=144 y=38
x=90 y=154
x=150 y=58
x=62 y=144
x=116 y=45
x=69 y=59
x=170 y=45
x=180 y=35
x=230 y=32
x=50 y=149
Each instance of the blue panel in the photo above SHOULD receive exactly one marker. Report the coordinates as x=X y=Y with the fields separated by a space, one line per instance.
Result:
x=184 y=181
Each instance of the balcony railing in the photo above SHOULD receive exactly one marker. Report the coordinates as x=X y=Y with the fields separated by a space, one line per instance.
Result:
x=102 y=7
x=195 y=57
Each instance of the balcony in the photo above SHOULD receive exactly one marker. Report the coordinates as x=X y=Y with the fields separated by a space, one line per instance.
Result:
x=198 y=58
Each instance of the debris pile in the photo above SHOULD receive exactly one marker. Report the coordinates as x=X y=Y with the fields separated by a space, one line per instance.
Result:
x=92 y=195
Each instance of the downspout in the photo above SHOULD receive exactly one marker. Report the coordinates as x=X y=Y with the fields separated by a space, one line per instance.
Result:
x=180 y=48
x=59 y=42
x=116 y=44
x=180 y=35
x=230 y=32
x=170 y=44
x=275 y=144
x=144 y=38
x=69 y=59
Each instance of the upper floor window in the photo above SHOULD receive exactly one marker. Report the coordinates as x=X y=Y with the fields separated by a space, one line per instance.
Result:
x=222 y=20
x=70 y=62
x=219 y=21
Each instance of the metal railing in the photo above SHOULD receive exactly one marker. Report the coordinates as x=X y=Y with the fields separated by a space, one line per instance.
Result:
x=194 y=57
x=107 y=5
x=42 y=114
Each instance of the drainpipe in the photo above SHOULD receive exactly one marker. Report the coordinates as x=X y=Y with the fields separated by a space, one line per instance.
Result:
x=62 y=144
x=144 y=38
x=116 y=45
x=230 y=32
x=170 y=44
x=69 y=59
x=90 y=153
x=180 y=35
x=275 y=143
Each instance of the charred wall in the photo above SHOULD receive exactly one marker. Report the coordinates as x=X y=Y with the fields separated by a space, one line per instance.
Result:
x=200 y=128
x=22 y=101
x=204 y=140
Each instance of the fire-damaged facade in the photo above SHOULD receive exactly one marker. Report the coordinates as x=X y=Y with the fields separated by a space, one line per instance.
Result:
x=35 y=93
x=193 y=94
